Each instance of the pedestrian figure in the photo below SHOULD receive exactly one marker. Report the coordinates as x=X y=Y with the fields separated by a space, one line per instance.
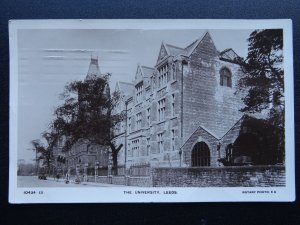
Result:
x=57 y=177
x=67 y=178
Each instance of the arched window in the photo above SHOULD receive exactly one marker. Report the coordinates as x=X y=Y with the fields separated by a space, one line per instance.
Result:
x=225 y=77
x=200 y=155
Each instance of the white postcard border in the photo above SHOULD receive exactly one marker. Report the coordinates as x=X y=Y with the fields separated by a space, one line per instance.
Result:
x=121 y=194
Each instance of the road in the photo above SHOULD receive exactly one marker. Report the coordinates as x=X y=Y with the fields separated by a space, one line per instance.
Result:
x=33 y=181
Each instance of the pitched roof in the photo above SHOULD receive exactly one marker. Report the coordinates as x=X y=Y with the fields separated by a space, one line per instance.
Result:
x=174 y=50
x=125 y=88
x=148 y=71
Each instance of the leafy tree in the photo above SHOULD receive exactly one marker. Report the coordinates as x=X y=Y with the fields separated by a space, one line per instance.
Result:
x=44 y=153
x=264 y=80
x=264 y=75
x=88 y=114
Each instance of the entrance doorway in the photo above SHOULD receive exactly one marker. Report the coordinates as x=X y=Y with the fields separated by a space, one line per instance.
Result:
x=200 y=155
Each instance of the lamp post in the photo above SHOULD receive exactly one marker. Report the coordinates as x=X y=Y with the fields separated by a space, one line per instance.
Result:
x=180 y=153
x=86 y=165
x=219 y=152
x=109 y=166
x=125 y=153
x=183 y=62
x=96 y=170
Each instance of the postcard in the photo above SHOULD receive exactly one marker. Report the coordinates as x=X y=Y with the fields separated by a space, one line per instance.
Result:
x=113 y=111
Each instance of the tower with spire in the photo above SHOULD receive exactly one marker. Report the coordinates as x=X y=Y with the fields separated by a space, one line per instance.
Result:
x=94 y=70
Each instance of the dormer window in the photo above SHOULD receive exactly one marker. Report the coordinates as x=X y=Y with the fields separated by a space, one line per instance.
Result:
x=139 y=92
x=225 y=77
x=163 y=75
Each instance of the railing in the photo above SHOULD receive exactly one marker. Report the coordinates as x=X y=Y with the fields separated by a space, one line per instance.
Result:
x=103 y=171
x=139 y=170
x=121 y=170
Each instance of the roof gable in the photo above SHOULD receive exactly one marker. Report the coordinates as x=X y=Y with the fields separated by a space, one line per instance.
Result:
x=147 y=71
x=139 y=73
x=205 y=38
x=163 y=52
x=143 y=73
x=126 y=89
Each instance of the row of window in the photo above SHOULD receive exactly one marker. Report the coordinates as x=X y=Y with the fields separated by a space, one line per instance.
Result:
x=161 y=112
x=139 y=92
x=225 y=79
x=134 y=147
x=163 y=73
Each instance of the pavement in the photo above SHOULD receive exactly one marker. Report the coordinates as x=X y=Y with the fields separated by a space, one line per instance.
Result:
x=33 y=181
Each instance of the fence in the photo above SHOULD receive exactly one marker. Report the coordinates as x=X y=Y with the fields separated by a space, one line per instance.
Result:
x=140 y=170
x=120 y=170
x=103 y=171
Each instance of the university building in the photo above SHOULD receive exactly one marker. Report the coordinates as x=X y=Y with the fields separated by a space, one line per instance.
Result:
x=182 y=112
x=185 y=111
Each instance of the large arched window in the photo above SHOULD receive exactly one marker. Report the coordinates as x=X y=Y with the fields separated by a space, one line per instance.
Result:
x=200 y=155
x=225 y=77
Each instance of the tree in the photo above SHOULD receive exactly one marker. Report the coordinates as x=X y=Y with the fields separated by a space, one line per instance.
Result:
x=45 y=153
x=88 y=114
x=264 y=80
x=264 y=75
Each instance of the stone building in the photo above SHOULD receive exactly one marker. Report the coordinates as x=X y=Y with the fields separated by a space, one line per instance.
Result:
x=185 y=110
x=83 y=156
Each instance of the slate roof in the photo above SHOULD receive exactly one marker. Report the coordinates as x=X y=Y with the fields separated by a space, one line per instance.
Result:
x=148 y=71
x=126 y=88
x=174 y=50
x=227 y=54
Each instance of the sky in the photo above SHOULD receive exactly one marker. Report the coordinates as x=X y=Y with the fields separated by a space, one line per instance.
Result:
x=48 y=59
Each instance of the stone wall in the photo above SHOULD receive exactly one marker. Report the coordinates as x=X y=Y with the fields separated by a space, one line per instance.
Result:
x=121 y=180
x=206 y=102
x=242 y=176
x=139 y=181
x=251 y=176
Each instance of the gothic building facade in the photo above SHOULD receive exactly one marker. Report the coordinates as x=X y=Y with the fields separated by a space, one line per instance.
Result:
x=185 y=111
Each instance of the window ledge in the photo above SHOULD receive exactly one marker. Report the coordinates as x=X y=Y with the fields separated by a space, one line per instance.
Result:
x=160 y=122
x=160 y=89
x=138 y=103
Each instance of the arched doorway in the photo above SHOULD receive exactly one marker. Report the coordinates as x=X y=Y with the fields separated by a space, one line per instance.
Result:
x=245 y=149
x=200 y=155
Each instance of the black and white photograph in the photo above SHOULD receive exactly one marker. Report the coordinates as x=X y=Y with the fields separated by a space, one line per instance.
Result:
x=151 y=111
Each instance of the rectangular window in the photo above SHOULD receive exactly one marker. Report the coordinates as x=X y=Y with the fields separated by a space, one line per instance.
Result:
x=139 y=92
x=129 y=150
x=136 y=147
x=148 y=146
x=173 y=140
x=160 y=143
x=173 y=105
x=148 y=116
x=163 y=75
x=138 y=121
x=161 y=109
